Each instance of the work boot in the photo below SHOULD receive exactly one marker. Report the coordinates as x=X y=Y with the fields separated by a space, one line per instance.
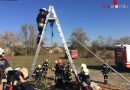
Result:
x=105 y=81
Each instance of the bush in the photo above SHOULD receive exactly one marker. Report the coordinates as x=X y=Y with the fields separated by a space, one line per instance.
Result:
x=20 y=51
x=31 y=50
x=109 y=55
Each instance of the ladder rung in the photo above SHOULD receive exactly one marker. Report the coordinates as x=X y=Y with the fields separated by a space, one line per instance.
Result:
x=51 y=19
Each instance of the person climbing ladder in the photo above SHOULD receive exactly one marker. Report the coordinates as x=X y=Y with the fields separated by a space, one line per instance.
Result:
x=41 y=17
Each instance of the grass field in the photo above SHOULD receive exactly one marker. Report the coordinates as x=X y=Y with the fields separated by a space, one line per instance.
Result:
x=93 y=64
x=26 y=61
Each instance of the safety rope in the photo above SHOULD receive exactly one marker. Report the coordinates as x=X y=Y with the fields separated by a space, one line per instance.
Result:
x=52 y=35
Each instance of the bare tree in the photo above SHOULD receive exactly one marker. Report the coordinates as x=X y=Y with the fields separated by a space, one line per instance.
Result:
x=80 y=35
x=24 y=35
x=102 y=41
x=9 y=38
x=109 y=41
x=32 y=35
x=123 y=40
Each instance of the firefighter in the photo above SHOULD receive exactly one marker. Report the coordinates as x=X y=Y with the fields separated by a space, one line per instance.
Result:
x=68 y=72
x=105 y=71
x=59 y=67
x=23 y=77
x=84 y=77
x=68 y=76
x=18 y=80
x=45 y=65
x=41 y=17
x=38 y=73
x=3 y=65
x=59 y=71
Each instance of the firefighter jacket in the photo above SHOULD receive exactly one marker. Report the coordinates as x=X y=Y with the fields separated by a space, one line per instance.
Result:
x=105 y=69
x=3 y=65
x=41 y=19
x=38 y=73
x=59 y=69
x=84 y=76
x=45 y=65
x=68 y=73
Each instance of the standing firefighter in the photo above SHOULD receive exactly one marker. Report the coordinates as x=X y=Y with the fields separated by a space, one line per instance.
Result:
x=59 y=74
x=41 y=21
x=3 y=65
x=38 y=73
x=105 y=71
x=68 y=77
x=45 y=66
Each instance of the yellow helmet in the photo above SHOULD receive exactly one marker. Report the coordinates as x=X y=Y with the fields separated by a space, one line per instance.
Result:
x=39 y=66
x=83 y=65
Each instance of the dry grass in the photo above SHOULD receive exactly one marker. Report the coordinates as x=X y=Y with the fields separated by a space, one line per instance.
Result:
x=93 y=64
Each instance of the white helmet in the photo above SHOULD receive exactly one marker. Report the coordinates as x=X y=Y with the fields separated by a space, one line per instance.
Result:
x=8 y=69
x=39 y=66
x=1 y=52
x=42 y=9
x=83 y=65
x=46 y=60
x=84 y=69
x=17 y=68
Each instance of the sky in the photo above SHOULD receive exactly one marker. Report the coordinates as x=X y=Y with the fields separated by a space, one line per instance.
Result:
x=90 y=15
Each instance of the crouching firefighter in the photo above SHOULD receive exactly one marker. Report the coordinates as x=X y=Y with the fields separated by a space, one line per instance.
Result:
x=84 y=77
x=41 y=18
x=18 y=80
x=105 y=71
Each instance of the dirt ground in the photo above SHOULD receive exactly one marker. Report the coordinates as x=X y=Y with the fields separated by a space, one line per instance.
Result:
x=94 y=65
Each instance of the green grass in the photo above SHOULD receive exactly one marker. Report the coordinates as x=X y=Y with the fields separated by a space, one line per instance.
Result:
x=26 y=61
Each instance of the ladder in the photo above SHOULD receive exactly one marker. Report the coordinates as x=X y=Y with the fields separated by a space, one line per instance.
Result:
x=52 y=11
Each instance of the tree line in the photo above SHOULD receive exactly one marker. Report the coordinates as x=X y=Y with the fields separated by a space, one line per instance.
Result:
x=23 y=42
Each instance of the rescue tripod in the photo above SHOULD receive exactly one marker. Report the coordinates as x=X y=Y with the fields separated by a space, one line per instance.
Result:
x=55 y=19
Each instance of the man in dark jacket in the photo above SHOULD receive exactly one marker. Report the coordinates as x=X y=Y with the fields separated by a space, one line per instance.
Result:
x=38 y=73
x=105 y=71
x=3 y=65
x=41 y=18
x=59 y=73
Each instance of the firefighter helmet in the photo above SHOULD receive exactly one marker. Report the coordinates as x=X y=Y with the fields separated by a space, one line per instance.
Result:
x=46 y=60
x=2 y=52
x=56 y=61
x=42 y=9
x=39 y=66
x=83 y=65
x=8 y=69
x=59 y=61
x=17 y=68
